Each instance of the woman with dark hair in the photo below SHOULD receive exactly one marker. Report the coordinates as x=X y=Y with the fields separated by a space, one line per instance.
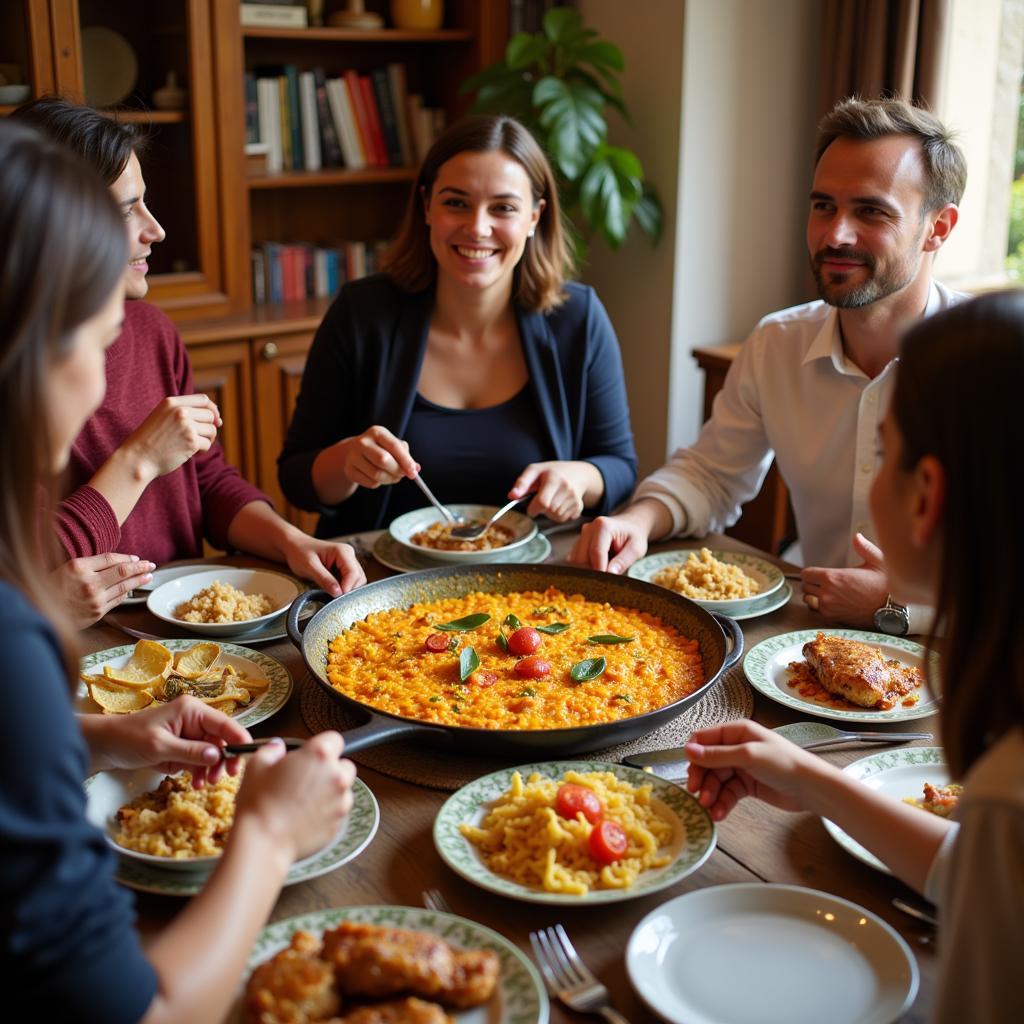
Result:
x=146 y=475
x=946 y=505
x=470 y=358
x=68 y=950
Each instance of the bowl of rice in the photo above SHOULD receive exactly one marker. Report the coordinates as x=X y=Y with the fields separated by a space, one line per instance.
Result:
x=224 y=602
x=425 y=532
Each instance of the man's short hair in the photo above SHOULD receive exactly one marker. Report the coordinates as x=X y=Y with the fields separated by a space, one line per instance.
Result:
x=858 y=119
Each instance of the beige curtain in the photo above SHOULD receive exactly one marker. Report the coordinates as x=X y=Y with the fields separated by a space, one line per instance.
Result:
x=892 y=47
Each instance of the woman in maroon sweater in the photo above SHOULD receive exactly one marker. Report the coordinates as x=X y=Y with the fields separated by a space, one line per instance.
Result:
x=146 y=475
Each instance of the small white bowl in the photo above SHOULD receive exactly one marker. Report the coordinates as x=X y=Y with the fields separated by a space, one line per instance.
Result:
x=281 y=589
x=403 y=528
x=10 y=94
x=107 y=792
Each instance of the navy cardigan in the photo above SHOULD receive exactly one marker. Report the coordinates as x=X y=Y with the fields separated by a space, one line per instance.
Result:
x=364 y=367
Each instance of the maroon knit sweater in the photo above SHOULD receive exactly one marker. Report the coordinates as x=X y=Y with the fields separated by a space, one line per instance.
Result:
x=147 y=363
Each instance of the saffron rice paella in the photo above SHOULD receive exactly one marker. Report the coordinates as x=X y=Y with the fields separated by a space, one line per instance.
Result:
x=519 y=660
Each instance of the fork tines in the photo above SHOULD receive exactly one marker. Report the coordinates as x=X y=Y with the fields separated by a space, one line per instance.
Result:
x=433 y=899
x=559 y=962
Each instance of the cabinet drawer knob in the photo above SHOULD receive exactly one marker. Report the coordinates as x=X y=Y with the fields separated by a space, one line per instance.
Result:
x=269 y=350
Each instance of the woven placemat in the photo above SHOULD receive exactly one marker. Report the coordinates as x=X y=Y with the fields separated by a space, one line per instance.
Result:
x=418 y=762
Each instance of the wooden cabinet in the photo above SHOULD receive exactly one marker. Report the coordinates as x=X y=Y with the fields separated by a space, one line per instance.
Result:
x=766 y=522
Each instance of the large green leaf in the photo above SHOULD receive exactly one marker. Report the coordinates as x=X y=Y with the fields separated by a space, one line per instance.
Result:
x=571 y=113
x=604 y=56
x=524 y=49
x=648 y=214
x=609 y=191
x=513 y=96
x=562 y=23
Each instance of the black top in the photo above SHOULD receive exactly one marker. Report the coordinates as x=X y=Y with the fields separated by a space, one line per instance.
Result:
x=364 y=367
x=445 y=441
x=69 y=947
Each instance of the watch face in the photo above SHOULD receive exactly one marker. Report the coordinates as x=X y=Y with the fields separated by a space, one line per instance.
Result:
x=893 y=621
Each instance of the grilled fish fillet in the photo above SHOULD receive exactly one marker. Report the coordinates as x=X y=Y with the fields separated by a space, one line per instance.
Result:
x=858 y=672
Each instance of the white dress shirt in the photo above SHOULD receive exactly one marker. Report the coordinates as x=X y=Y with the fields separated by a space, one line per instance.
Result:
x=794 y=394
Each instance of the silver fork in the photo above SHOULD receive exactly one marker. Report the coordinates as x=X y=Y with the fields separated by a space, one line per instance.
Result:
x=568 y=977
x=433 y=899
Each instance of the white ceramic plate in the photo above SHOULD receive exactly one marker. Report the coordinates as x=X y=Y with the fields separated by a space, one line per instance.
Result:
x=519 y=999
x=109 y=66
x=763 y=606
x=692 y=842
x=403 y=528
x=255 y=664
x=769 y=577
x=896 y=774
x=356 y=833
x=770 y=954
x=281 y=589
x=389 y=552
x=766 y=666
x=171 y=572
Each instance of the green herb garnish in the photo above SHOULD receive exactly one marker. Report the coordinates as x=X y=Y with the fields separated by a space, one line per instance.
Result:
x=468 y=663
x=548 y=609
x=529 y=691
x=435 y=700
x=553 y=628
x=457 y=708
x=502 y=642
x=610 y=638
x=512 y=622
x=465 y=624
x=624 y=697
x=589 y=668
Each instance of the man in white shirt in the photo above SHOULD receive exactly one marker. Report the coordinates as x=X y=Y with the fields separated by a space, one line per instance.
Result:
x=812 y=383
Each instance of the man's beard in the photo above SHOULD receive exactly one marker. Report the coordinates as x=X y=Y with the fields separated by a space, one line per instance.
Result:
x=837 y=293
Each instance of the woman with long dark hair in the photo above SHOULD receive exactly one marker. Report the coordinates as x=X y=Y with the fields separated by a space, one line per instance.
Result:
x=947 y=508
x=469 y=357
x=68 y=949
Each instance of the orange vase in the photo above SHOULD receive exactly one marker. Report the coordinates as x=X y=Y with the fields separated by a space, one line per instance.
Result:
x=417 y=14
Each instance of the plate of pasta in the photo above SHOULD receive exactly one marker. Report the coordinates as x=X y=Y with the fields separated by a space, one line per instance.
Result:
x=572 y=832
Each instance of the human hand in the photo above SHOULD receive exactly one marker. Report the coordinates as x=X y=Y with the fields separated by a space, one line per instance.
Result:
x=313 y=559
x=299 y=799
x=91 y=586
x=738 y=759
x=375 y=458
x=184 y=733
x=614 y=543
x=563 y=488
x=172 y=433
x=850 y=596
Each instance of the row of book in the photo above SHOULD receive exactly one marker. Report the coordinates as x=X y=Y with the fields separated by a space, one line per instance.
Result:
x=306 y=120
x=287 y=272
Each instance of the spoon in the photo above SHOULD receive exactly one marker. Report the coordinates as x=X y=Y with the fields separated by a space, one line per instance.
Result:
x=471 y=531
x=450 y=516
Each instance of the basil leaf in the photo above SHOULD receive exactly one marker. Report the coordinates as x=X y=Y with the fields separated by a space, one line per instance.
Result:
x=624 y=697
x=528 y=692
x=589 y=668
x=512 y=622
x=610 y=638
x=502 y=642
x=468 y=663
x=553 y=628
x=464 y=625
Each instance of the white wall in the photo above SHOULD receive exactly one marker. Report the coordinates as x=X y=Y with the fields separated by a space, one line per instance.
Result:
x=722 y=94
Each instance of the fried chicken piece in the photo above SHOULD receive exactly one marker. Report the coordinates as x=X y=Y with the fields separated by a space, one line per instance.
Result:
x=371 y=960
x=397 y=1011
x=294 y=987
x=858 y=672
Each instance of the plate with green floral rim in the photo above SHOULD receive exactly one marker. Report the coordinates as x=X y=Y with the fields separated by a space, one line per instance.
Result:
x=693 y=837
x=520 y=997
x=244 y=659
x=389 y=552
x=768 y=577
x=356 y=833
x=766 y=666
x=898 y=774
x=763 y=606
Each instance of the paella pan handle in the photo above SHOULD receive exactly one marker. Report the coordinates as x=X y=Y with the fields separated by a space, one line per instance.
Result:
x=292 y=622
x=732 y=631
x=383 y=730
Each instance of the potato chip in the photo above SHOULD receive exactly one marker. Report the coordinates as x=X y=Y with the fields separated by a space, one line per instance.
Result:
x=150 y=662
x=197 y=661
x=117 y=700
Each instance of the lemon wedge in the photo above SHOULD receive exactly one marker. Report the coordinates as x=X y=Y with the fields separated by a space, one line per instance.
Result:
x=150 y=662
x=117 y=700
x=197 y=660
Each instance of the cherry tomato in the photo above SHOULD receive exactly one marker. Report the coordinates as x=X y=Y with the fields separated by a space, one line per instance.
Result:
x=483 y=679
x=573 y=798
x=533 y=668
x=524 y=641
x=437 y=642
x=608 y=842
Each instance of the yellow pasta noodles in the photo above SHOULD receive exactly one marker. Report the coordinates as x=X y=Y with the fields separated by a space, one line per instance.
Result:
x=523 y=838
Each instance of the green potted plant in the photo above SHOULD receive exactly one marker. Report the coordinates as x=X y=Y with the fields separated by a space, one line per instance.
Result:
x=559 y=82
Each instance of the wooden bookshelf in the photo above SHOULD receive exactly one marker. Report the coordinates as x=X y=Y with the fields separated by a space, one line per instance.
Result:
x=345 y=35
x=332 y=176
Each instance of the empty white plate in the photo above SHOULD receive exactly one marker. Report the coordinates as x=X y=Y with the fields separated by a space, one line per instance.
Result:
x=770 y=954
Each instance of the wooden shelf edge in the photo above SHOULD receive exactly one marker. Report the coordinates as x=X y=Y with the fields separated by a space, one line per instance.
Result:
x=269 y=319
x=308 y=179
x=149 y=116
x=384 y=35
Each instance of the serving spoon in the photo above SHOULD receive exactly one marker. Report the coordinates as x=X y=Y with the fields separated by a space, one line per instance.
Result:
x=471 y=531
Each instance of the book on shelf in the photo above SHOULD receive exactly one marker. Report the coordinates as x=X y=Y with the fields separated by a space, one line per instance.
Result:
x=388 y=121
x=330 y=147
x=293 y=271
x=285 y=114
x=310 y=121
x=399 y=94
x=269 y=119
x=373 y=119
x=291 y=74
x=252 y=125
x=345 y=124
x=255 y=14
x=362 y=116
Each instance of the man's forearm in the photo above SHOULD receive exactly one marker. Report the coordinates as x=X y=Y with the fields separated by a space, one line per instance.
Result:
x=121 y=480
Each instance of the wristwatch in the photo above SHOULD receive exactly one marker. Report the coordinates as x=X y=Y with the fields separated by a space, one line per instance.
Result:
x=892 y=618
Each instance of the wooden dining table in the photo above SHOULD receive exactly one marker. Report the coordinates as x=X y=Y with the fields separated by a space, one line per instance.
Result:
x=756 y=844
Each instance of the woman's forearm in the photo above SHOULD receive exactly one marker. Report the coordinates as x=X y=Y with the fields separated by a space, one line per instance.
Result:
x=200 y=957
x=330 y=481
